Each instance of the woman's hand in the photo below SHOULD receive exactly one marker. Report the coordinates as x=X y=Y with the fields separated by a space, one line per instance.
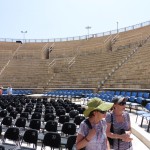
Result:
x=126 y=137
x=91 y=133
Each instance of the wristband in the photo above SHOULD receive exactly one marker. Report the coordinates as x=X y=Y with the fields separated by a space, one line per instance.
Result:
x=87 y=139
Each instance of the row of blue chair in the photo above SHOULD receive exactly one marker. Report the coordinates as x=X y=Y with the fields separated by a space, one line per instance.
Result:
x=18 y=92
x=68 y=93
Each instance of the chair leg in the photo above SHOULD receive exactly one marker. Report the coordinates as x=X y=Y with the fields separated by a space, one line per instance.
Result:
x=142 y=121
x=148 y=126
x=136 y=119
x=130 y=108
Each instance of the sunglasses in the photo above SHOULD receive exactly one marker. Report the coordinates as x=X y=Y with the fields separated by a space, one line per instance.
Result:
x=102 y=112
x=122 y=103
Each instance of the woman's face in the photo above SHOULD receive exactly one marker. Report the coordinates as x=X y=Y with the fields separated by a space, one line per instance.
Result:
x=100 y=114
x=121 y=106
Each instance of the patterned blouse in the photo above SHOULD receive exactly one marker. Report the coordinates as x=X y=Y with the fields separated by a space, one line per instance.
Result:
x=99 y=141
x=117 y=126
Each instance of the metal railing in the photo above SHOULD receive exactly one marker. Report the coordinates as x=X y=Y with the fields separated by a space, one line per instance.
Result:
x=147 y=23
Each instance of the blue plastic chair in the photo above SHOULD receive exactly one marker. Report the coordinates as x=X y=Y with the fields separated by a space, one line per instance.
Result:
x=144 y=111
x=146 y=115
x=148 y=119
x=146 y=95
x=123 y=93
x=133 y=103
x=117 y=93
x=140 y=94
x=128 y=94
x=134 y=94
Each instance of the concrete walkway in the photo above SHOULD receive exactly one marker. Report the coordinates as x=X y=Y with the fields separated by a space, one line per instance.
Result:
x=141 y=138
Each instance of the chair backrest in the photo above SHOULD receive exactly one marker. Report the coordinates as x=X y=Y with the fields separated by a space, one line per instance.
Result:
x=146 y=95
x=49 y=116
x=123 y=93
x=25 y=115
x=38 y=106
x=71 y=141
x=49 y=111
x=35 y=124
x=63 y=118
x=128 y=94
x=81 y=110
x=12 y=133
x=78 y=119
x=69 y=108
x=73 y=113
x=9 y=108
x=31 y=136
x=76 y=106
x=139 y=100
x=59 y=107
x=28 y=109
x=147 y=106
x=13 y=114
x=7 y=121
x=52 y=139
x=51 y=126
x=134 y=94
x=20 y=122
x=19 y=109
x=117 y=93
x=39 y=110
x=132 y=99
x=2 y=147
x=60 y=112
x=140 y=94
x=49 y=106
x=36 y=115
x=3 y=113
x=68 y=128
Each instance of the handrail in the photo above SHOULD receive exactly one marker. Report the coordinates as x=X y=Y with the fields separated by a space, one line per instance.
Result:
x=115 y=37
x=109 y=37
x=124 y=60
x=71 y=64
x=46 y=46
x=52 y=63
x=71 y=60
x=143 y=24
x=9 y=60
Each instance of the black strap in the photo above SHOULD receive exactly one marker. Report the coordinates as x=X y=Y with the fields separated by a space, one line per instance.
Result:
x=111 y=128
x=88 y=123
x=111 y=118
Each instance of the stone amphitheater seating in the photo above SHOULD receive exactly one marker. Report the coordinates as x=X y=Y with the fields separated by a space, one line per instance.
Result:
x=79 y=63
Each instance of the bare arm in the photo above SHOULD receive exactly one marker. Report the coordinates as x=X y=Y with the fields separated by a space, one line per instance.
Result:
x=82 y=141
x=124 y=137
x=108 y=145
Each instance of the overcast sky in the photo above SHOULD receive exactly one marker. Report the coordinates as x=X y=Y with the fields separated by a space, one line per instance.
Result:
x=48 y=19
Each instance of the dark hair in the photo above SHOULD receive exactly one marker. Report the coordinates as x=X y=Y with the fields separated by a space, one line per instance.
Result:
x=91 y=113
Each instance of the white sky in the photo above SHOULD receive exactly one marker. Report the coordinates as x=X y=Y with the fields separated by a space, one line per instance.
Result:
x=48 y=19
